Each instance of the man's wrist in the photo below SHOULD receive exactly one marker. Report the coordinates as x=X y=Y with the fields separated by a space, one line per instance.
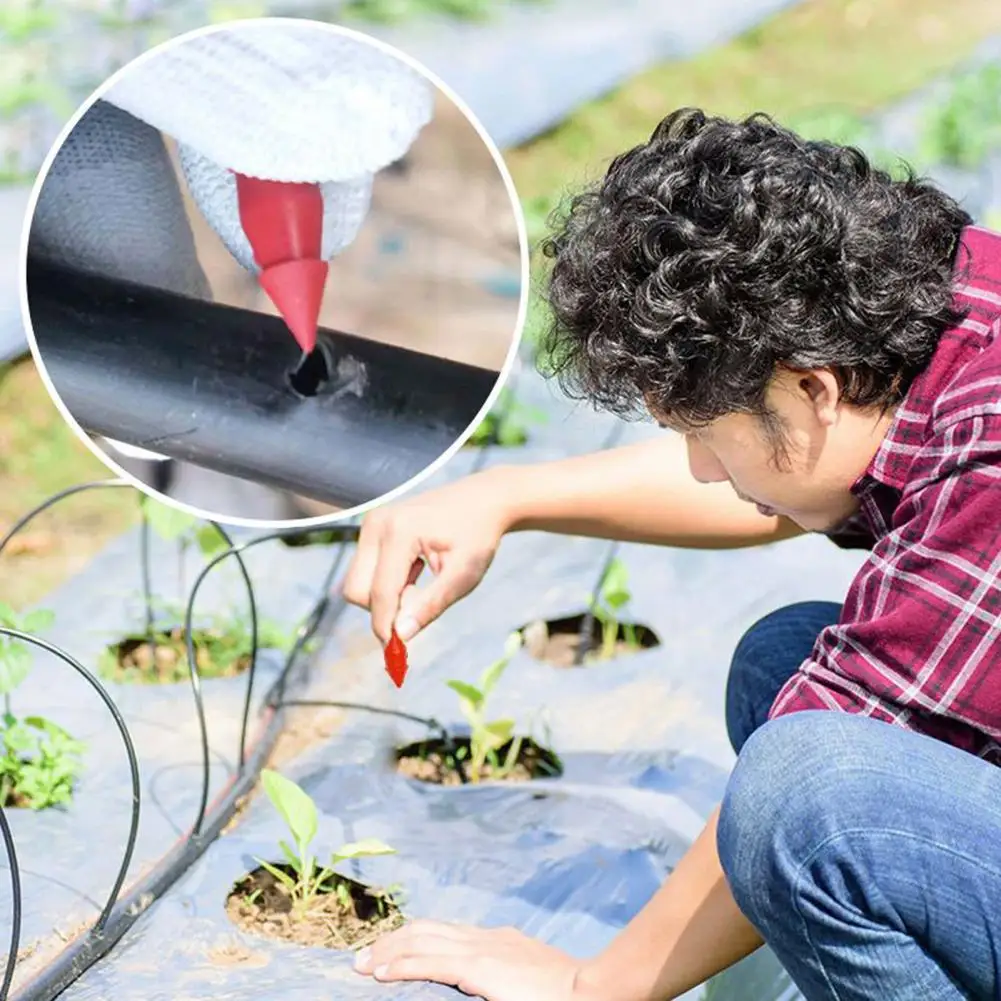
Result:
x=596 y=981
x=515 y=491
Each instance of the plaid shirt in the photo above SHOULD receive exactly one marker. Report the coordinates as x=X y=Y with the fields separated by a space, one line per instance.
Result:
x=918 y=642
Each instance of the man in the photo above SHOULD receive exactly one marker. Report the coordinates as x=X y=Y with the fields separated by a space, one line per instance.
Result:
x=827 y=342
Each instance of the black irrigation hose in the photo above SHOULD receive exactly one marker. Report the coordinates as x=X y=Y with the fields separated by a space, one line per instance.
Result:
x=16 y=906
x=189 y=642
x=429 y=721
x=130 y=751
x=54 y=499
x=306 y=629
x=225 y=388
x=235 y=551
x=80 y=955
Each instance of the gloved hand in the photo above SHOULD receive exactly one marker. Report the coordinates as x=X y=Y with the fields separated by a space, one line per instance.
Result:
x=284 y=100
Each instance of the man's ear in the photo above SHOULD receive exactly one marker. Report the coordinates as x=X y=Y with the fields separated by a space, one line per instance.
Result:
x=822 y=390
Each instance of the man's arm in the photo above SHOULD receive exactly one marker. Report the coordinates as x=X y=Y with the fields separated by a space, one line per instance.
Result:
x=636 y=493
x=689 y=931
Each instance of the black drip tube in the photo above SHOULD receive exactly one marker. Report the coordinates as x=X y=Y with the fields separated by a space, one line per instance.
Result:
x=228 y=389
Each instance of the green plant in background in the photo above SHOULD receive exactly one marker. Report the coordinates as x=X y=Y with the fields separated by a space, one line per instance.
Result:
x=299 y=812
x=174 y=525
x=222 y=649
x=395 y=11
x=537 y=211
x=15 y=655
x=221 y=11
x=488 y=736
x=40 y=761
x=607 y=605
x=507 y=423
x=962 y=128
x=832 y=124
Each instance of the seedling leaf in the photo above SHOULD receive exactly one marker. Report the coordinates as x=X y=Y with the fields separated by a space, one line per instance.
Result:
x=210 y=542
x=363 y=849
x=467 y=692
x=168 y=522
x=500 y=732
x=295 y=806
x=283 y=877
x=15 y=666
x=37 y=621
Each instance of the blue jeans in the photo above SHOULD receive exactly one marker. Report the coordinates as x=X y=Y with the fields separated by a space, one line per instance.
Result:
x=868 y=857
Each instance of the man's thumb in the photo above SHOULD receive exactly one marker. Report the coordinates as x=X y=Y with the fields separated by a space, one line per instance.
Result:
x=420 y=606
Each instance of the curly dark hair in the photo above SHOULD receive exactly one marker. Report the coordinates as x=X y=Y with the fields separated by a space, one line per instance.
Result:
x=719 y=250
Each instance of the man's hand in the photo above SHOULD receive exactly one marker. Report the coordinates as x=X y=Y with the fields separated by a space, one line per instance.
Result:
x=498 y=964
x=456 y=530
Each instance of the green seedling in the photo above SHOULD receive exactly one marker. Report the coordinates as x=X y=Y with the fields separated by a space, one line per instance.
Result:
x=299 y=812
x=174 y=525
x=15 y=656
x=489 y=736
x=39 y=764
x=508 y=423
x=608 y=604
x=39 y=761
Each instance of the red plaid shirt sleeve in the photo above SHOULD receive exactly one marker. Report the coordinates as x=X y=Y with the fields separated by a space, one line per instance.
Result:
x=919 y=640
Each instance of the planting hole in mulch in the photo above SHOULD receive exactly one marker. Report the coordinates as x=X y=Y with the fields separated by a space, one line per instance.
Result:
x=345 y=914
x=438 y=762
x=557 y=641
x=218 y=654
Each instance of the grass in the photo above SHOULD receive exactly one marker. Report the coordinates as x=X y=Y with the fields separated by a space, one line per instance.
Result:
x=40 y=455
x=845 y=56
x=853 y=54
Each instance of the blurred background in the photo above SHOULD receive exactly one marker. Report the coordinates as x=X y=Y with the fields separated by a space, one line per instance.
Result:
x=561 y=85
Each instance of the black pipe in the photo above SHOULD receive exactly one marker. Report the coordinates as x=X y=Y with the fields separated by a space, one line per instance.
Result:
x=227 y=389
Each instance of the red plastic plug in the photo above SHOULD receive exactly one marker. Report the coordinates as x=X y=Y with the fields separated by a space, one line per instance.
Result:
x=395 y=656
x=284 y=226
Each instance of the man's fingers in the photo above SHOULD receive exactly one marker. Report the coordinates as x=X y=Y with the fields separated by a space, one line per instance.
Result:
x=441 y=968
x=393 y=570
x=416 y=940
x=357 y=587
x=419 y=607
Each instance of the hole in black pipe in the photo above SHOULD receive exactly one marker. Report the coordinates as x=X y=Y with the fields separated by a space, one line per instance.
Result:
x=310 y=375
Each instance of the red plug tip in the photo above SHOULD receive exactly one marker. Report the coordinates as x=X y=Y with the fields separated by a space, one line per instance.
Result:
x=284 y=226
x=296 y=289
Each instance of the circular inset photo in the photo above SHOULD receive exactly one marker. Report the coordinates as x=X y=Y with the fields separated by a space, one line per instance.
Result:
x=274 y=271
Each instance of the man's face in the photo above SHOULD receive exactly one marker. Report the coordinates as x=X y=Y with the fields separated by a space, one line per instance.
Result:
x=827 y=446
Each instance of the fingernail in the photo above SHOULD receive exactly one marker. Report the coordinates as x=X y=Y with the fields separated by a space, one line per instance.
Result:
x=363 y=958
x=406 y=627
x=381 y=972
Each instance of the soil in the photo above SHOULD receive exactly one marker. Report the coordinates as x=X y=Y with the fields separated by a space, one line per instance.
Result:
x=557 y=641
x=326 y=923
x=134 y=659
x=15 y=800
x=435 y=762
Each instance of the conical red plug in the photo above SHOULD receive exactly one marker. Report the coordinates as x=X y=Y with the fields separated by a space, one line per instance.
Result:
x=283 y=222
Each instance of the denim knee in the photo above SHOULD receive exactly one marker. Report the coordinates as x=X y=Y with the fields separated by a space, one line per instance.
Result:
x=766 y=657
x=777 y=790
